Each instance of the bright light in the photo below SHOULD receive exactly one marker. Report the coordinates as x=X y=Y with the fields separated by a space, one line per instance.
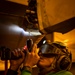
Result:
x=66 y=42
x=44 y=41
x=18 y=29
x=15 y=28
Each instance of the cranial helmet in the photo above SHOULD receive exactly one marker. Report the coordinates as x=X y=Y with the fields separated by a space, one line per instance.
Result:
x=58 y=49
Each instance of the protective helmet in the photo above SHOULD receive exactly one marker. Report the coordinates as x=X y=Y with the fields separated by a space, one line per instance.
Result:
x=51 y=48
x=58 y=49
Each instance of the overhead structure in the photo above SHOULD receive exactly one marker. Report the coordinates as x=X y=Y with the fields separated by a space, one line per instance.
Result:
x=56 y=15
x=31 y=19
